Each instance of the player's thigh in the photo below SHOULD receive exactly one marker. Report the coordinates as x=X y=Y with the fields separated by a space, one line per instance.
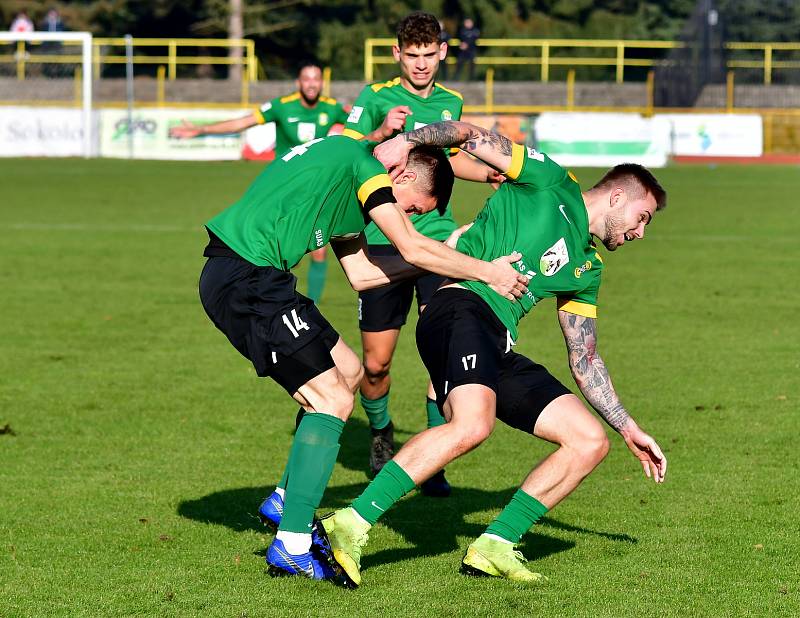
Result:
x=525 y=390
x=565 y=420
x=347 y=362
x=470 y=410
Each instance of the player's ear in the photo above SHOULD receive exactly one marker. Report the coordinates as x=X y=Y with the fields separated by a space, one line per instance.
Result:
x=442 y=51
x=617 y=197
x=408 y=176
x=396 y=52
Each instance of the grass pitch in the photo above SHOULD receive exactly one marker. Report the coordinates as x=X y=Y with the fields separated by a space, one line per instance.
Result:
x=136 y=444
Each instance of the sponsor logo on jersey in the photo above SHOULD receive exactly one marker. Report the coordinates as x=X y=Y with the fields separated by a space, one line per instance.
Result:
x=355 y=113
x=292 y=119
x=587 y=265
x=306 y=131
x=323 y=119
x=318 y=237
x=447 y=114
x=554 y=258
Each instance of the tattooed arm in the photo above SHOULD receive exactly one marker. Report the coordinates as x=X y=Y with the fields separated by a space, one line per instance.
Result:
x=592 y=378
x=491 y=148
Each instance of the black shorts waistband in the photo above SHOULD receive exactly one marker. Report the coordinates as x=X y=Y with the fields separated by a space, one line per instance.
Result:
x=447 y=296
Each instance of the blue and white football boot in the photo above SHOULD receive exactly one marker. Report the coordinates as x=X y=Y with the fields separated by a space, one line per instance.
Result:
x=271 y=510
x=310 y=564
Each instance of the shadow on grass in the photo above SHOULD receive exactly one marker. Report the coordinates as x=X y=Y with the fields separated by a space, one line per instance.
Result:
x=429 y=526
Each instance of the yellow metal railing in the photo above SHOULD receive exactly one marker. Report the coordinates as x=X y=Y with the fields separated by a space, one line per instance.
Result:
x=561 y=52
x=173 y=55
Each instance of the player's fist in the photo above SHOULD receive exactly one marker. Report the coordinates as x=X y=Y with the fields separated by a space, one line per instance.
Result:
x=185 y=130
x=393 y=154
x=395 y=120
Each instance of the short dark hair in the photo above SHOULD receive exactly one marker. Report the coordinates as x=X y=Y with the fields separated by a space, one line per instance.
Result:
x=637 y=179
x=418 y=28
x=434 y=173
x=306 y=64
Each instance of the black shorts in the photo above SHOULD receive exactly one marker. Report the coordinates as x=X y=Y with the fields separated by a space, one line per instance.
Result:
x=461 y=341
x=280 y=331
x=387 y=307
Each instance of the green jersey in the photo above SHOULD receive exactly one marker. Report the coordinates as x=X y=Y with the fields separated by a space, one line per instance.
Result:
x=297 y=124
x=313 y=193
x=539 y=212
x=367 y=114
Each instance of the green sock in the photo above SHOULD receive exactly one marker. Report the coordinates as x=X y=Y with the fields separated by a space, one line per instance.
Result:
x=311 y=460
x=377 y=411
x=391 y=484
x=435 y=417
x=516 y=519
x=316 y=279
x=285 y=478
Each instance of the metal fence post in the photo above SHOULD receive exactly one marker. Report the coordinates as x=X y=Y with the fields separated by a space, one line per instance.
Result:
x=571 y=89
x=729 y=91
x=173 y=61
x=545 y=62
x=620 y=62
x=490 y=90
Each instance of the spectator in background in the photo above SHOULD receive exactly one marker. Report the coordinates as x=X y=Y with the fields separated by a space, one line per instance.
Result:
x=52 y=22
x=444 y=37
x=22 y=23
x=467 y=49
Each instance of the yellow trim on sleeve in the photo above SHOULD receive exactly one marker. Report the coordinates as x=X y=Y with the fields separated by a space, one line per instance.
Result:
x=517 y=159
x=353 y=134
x=577 y=307
x=290 y=97
x=455 y=93
x=389 y=84
x=373 y=184
x=259 y=115
x=573 y=177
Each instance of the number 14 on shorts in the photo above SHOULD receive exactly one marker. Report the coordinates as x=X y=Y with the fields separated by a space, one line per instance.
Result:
x=296 y=324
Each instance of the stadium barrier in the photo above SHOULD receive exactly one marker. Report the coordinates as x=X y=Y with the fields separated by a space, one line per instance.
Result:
x=615 y=54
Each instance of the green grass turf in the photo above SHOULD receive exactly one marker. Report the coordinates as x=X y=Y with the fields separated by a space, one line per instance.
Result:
x=143 y=443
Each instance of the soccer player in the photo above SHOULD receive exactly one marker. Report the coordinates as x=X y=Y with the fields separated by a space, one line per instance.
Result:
x=409 y=101
x=466 y=333
x=299 y=118
x=324 y=190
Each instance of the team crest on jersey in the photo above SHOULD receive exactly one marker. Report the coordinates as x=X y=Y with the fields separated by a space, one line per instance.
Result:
x=355 y=114
x=446 y=115
x=306 y=131
x=554 y=258
x=323 y=119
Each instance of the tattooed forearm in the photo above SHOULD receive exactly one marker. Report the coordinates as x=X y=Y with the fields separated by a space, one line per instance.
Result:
x=589 y=369
x=458 y=134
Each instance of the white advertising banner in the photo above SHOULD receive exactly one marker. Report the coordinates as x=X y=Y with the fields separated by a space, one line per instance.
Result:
x=715 y=135
x=41 y=132
x=146 y=136
x=574 y=139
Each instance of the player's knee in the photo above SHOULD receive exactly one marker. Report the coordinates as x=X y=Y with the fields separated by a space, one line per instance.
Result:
x=594 y=446
x=467 y=436
x=376 y=369
x=338 y=402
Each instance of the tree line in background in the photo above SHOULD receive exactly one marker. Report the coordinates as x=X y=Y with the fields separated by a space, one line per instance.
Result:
x=287 y=32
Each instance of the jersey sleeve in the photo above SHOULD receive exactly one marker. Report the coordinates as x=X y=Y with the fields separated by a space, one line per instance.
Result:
x=267 y=112
x=584 y=302
x=373 y=185
x=363 y=115
x=340 y=114
x=530 y=167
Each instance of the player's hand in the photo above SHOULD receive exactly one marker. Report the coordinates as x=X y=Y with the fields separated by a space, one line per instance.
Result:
x=452 y=240
x=646 y=450
x=185 y=130
x=393 y=154
x=395 y=120
x=495 y=178
x=507 y=280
